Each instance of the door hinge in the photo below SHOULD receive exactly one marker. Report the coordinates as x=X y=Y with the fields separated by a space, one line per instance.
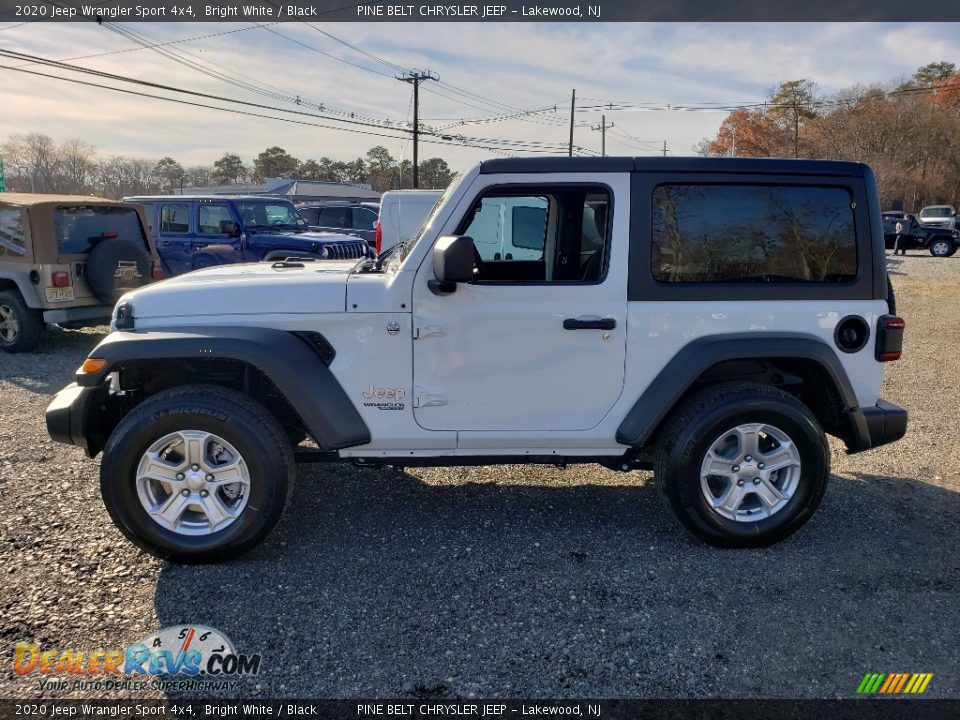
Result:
x=428 y=397
x=427 y=329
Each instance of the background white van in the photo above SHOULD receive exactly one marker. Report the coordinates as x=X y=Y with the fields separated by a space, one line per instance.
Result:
x=402 y=212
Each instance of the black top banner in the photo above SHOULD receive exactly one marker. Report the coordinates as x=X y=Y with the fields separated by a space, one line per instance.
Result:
x=271 y=11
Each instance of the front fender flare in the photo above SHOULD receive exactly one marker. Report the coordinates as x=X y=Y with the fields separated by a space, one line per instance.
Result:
x=289 y=361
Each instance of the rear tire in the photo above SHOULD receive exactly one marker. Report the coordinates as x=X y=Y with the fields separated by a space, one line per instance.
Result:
x=20 y=327
x=170 y=446
x=746 y=504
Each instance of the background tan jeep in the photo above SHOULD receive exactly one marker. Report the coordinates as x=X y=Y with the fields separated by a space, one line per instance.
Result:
x=66 y=259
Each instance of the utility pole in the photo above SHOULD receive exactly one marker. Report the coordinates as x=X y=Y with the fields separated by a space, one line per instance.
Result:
x=664 y=148
x=573 y=105
x=602 y=127
x=415 y=78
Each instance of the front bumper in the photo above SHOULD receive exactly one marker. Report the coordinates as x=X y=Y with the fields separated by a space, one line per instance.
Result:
x=68 y=417
x=878 y=425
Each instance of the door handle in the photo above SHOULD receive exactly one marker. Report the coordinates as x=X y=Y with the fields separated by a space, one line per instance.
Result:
x=166 y=243
x=591 y=324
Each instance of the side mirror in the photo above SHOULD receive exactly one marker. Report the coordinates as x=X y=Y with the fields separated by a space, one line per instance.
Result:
x=452 y=262
x=229 y=227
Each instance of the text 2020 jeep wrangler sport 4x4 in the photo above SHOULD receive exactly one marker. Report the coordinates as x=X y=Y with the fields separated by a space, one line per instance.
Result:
x=710 y=319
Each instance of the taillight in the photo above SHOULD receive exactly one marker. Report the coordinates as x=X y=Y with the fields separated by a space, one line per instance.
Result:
x=156 y=272
x=60 y=278
x=889 y=338
x=111 y=234
x=378 y=242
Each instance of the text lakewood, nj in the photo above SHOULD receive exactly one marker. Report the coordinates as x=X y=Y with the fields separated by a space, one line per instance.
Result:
x=477 y=11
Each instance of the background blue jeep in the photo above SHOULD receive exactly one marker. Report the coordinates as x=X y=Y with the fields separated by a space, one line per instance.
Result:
x=193 y=232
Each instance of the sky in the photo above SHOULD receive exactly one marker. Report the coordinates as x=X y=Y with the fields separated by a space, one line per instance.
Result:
x=486 y=70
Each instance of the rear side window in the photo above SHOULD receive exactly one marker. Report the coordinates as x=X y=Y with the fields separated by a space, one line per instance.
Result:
x=79 y=228
x=335 y=217
x=175 y=219
x=12 y=242
x=213 y=219
x=311 y=215
x=364 y=219
x=753 y=233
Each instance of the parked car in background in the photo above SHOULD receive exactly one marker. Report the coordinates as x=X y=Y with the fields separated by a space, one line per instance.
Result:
x=199 y=231
x=358 y=219
x=939 y=241
x=402 y=212
x=66 y=259
x=944 y=216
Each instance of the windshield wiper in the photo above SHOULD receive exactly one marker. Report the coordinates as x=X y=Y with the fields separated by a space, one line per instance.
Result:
x=390 y=252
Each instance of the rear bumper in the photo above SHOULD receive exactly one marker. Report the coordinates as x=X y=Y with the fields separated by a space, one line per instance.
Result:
x=67 y=416
x=78 y=314
x=881 y=424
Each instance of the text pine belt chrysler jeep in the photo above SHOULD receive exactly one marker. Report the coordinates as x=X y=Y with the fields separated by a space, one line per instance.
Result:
x=710 y=319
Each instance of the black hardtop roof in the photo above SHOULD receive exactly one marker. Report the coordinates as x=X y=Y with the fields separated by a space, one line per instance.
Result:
x=760 y=166
x=190 y=198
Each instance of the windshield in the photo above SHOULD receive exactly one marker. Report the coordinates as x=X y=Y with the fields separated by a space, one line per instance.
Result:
x=451 y=188
x=78 y=228
x=268 y=214
x=938 y=212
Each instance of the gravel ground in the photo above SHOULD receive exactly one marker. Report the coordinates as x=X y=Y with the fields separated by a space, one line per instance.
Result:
x=518 y=581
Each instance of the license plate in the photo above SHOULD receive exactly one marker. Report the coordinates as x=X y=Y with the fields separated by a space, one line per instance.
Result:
x=59 y=294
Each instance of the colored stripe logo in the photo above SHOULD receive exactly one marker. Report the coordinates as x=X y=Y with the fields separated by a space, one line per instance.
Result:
x=894 y=683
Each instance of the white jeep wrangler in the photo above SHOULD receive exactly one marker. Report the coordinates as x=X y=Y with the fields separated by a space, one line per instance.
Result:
x=710 y=319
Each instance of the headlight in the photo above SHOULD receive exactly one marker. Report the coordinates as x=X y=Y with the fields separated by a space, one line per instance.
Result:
x=123 y=317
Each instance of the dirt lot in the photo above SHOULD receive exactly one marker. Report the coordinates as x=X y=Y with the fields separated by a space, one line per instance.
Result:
x=518 y=581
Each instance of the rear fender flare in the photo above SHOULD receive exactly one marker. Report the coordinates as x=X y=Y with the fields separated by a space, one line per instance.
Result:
x=663 y=393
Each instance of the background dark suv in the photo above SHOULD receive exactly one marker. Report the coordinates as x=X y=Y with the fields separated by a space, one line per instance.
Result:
x=354 y=218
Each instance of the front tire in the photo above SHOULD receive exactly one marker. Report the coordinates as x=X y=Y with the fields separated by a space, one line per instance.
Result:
x=197 y=474
x=20 y=327
x=742 y=464
x=941 y=248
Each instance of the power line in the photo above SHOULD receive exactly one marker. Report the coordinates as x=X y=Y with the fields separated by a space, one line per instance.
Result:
x=255 y=86
x=483 y=144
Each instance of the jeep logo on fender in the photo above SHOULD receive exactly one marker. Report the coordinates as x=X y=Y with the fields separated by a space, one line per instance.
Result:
x=388 y=393
x=384 y=398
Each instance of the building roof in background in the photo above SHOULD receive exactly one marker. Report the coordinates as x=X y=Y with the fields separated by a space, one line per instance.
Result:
x=292 y=189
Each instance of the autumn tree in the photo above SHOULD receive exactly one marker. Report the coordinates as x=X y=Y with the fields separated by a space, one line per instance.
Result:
x=748 y=133
x=792 y=104
x=908 y=133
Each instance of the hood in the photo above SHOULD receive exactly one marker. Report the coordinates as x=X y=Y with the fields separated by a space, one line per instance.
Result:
x=306 y=235
x=246 y=289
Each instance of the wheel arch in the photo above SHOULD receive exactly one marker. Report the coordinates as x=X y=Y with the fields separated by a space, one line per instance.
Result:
x=27 y=292
x=273 y=362
x=800 y=364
